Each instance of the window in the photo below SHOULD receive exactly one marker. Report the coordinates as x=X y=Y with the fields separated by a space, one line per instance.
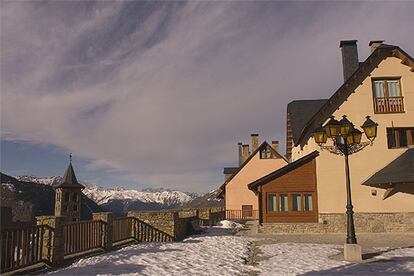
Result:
x=296 y=202
x=308 y=202
x=271 y=203
x=247 y=210
x=267 y=153
x=75 y=197
x=283 y=203
x=300 y=202
x=400 y=137
x=387 y=95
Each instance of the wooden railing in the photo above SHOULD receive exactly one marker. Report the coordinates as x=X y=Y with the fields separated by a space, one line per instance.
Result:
x=55 y=240
x=240 y=215
x=122 y=229
x=83 y=236
x=143 y=232
x=388 y=105
x=24 y=246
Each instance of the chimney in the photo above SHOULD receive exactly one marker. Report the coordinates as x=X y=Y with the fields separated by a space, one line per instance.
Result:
x=245 y=152
x=275 y=145
x=350 y=62
x=255 y=141
x=239 y=145
x=374 y=44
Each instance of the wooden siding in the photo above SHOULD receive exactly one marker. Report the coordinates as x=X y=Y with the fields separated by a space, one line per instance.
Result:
x=300 y=180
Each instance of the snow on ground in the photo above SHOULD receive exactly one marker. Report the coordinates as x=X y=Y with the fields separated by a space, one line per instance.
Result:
x=218 y=252
x=228 y=224
x=313 y=259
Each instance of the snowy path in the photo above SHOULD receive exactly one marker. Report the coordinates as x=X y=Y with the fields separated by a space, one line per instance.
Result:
x=218 y=252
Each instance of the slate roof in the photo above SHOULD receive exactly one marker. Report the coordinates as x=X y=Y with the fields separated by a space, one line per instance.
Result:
x=284 y=170
x=69 y=179
x=300 y=112
x=400 y=170
x=230 y=170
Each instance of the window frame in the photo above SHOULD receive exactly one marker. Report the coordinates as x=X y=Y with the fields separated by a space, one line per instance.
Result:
x=395 y=133
x=386 y=106
x=290 y=202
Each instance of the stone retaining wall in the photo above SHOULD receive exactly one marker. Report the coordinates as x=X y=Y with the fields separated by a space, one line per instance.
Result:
x=336 y=223
x=162 y=220
x=177 y=223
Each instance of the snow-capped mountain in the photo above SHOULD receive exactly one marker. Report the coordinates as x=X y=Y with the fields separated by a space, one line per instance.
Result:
x=103 y=196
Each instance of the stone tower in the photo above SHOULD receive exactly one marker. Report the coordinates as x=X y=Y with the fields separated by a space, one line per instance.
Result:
x=68 y=195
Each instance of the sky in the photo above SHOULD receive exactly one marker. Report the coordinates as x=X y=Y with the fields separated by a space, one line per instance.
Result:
x=158 y=94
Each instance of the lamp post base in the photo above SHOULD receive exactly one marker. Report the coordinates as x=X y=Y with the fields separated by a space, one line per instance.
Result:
x=352 y=252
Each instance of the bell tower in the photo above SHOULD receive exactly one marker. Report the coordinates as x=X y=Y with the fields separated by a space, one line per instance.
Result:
x=68 y=195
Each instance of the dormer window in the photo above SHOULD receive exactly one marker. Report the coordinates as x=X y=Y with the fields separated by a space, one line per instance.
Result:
x=267 y=153
x=387 y=95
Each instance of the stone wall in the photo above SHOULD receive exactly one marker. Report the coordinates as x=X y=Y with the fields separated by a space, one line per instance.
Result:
x=336 y=223
x=161 y=220
x=177 y=223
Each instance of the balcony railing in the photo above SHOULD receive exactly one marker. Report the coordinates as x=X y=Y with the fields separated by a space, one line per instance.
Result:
x=242 y=215
x=388 y=104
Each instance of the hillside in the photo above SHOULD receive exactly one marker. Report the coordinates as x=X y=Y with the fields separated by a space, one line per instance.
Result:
x=121 y=200
x=29 y=199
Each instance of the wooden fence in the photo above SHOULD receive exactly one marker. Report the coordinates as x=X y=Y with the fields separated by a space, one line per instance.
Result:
x=143 y=232
x=53 y=240
x=83 y=236
x=24 y=246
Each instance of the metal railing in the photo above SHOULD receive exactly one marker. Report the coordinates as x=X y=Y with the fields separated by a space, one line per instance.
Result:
x=242 y=215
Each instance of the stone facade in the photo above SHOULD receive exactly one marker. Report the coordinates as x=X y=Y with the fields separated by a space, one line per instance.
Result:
x=68 y=203
x=336 y=223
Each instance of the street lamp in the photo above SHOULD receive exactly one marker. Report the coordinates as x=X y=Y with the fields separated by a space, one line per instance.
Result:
x=346 y=141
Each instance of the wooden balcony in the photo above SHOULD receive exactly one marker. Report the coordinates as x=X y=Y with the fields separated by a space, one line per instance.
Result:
x=384 y=105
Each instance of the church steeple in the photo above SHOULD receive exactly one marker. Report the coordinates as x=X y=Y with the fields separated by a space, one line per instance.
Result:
x=68 y=195
x=69 y=179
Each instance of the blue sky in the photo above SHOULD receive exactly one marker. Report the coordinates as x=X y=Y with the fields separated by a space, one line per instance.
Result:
x=157 y=94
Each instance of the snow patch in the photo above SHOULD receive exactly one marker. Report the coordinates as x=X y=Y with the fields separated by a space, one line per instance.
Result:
x=228 y=224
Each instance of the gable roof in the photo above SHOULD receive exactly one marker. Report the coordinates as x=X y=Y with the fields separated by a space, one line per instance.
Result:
x=264 y=144
x=400 y=170
x=299 y=113
x=284 y=170
x=69 y=179
x=365 y=68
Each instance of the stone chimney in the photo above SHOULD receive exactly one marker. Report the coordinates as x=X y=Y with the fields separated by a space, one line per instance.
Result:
x=255 y=141
x=275 y=145
x=374 y=44
x=350 y=61
x=245 y=153
x=239 y=145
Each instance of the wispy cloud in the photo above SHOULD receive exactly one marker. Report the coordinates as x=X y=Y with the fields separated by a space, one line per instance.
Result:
x=164 y=90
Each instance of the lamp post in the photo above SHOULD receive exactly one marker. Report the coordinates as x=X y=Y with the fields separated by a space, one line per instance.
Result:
x=346 y=141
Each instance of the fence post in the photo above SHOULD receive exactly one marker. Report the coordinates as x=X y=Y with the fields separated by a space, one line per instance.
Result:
x=107 y=218
x=53 y=242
